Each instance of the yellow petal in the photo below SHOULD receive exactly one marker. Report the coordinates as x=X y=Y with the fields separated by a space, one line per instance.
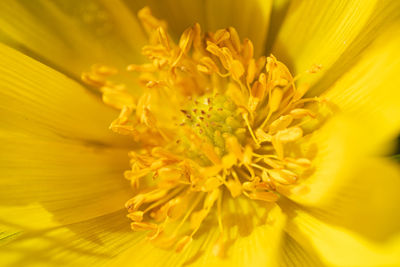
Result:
x=318 y=32
x=214 y=15
x=385 y=16
x=179 y=14
x=250 y=18
x=245 y=242
x=56 y=146
x=335 y=149
x=338 y=246
x=294 y=254
x=368 y=96
x=278 y=13
x=90 y=243
x=36 y=100
x=72 y=181
x=257 y=247
x=369 y=92
x=144 y=253
x=72 y=36
x=367 y=203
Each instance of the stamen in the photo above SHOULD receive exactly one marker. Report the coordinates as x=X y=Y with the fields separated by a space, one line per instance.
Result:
x=246 y=119
x=183 y=243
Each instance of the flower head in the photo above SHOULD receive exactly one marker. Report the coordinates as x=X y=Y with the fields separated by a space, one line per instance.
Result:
x=213 y=122
x=236 y=156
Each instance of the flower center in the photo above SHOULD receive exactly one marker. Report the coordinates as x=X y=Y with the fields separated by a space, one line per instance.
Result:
x=213 y=122
x=212 y=118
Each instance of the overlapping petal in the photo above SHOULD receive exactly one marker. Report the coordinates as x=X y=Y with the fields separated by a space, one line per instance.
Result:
x=368 y=201
x=294 y=254
x=335 y=150
x=368 y=92
x=72 y=35
x=91 y=242
x=250 y=18
x=367 y=96
x=39 y=101
x=319 y=32
x=338 y=246
x=56 y=149
x=252 y=236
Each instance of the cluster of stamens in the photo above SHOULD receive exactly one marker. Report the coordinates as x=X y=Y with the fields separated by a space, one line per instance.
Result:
x=213 y=122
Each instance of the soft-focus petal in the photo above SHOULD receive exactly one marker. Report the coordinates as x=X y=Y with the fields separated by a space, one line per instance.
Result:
x=368 y=202
x=369 y=91
x=278 y=13
x=385 y=16
x=334 y=149
x=36 y=100
x=318 y=32
x=246 y=243
x=294 y=254
x=72 y=35
x=56 y=148
x=254 y=235
x=250 y=18
x=367 y=95
x=179 y=14
x=338 y=246
x=73 y=181
x=89 y=243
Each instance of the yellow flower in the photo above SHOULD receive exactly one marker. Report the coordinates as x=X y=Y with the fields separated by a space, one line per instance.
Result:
x=233 y=160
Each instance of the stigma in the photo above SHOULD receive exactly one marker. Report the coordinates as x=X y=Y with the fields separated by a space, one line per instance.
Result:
x=212 y=121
